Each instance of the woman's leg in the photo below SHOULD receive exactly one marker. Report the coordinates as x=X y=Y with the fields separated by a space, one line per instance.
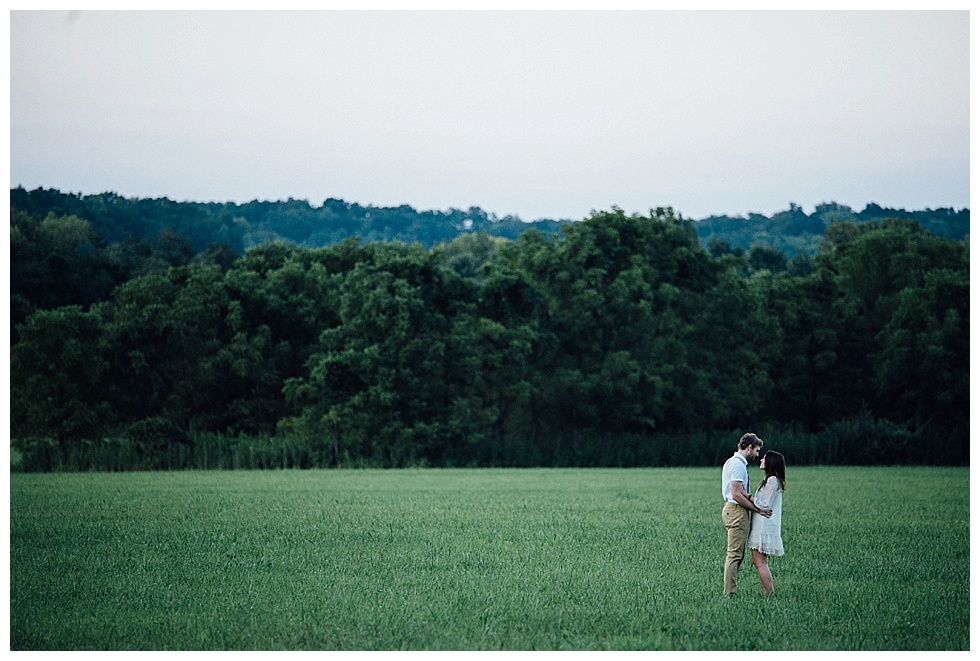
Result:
x=761 y=562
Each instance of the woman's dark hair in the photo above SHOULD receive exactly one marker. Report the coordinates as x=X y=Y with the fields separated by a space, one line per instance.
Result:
x=775 y=466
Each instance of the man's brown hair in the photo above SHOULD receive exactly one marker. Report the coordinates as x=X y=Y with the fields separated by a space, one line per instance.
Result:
x=748 y=440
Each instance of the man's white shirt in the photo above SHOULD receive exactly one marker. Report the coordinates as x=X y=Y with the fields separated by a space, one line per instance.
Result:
x=735 y=470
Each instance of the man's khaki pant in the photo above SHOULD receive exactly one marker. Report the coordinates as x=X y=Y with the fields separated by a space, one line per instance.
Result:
x=736 y=520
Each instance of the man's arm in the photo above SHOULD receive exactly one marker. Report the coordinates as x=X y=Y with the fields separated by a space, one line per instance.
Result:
x=742 y=497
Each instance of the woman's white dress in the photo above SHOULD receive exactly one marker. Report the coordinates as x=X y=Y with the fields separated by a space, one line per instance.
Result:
x=764 y=534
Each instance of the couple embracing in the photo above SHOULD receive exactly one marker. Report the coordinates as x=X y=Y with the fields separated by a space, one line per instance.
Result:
x=752 y=521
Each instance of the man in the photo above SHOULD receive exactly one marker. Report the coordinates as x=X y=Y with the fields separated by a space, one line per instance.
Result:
x=736 y=514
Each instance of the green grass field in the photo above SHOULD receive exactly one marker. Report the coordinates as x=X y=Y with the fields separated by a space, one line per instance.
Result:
x=876 y=559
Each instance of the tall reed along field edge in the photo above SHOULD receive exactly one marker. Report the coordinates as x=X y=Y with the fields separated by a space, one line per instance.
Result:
x=482 y=559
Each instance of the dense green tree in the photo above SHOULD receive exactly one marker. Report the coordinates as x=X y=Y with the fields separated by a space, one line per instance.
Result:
x=585 y=347
x=57 y=372
x=56 y=261
x=377 y=384
x=727 y=382
x=469 y=255
x=767 y=258
x=613 y=297
x=906 y=292
x=812 y=381
x=162 y=334
x=920 y=369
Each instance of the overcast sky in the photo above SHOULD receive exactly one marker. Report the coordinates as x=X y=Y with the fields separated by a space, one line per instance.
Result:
x=541 y=115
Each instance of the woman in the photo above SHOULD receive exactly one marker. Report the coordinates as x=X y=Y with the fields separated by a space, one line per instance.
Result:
x=765 y=538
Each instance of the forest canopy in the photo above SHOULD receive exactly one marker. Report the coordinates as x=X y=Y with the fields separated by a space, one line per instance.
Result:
x=155 y=334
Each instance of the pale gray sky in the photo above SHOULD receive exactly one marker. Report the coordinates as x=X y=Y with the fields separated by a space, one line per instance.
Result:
x=538 y=114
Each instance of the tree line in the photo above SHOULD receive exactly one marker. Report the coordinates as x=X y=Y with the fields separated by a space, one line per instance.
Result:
x=619 y=341
x=240 y=226
x=74 y=249
x=236 y=226
x=793 y=231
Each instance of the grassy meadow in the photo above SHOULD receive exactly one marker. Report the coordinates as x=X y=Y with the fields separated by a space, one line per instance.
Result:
x=481 y=559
